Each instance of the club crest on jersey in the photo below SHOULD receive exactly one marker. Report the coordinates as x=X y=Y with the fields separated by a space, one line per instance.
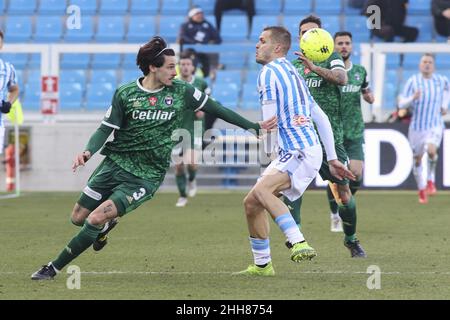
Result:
x=300 y=120
x=357 y=77
x=306 y=70
x=153 y=101
x=168 y=100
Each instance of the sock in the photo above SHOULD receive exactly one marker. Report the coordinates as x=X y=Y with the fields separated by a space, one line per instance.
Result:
x=261 y=251
x=289 y=228
x=333 y=205
x=355 y=185
x=83 y=240
x=294 y=208
x=432 y=168
x=348 y=215
x=192 y=173
x=181 y=184
x=418 y=174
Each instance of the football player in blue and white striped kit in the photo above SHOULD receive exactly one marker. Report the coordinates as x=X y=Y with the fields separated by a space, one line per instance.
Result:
x=284 y=93
x=9 y=91
x=427 y=94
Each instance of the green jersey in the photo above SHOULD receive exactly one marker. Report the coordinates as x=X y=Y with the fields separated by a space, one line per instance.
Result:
x=326 y=94
x=189 y=115
x=144 y=121
x=351 y=102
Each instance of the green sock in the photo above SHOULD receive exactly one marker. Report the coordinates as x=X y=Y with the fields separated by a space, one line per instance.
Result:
x=191 y=173
x=332 y=202
x=348 y=216
x=181 y=184
x=355 y=185
x=294 y=208
x=83 y=240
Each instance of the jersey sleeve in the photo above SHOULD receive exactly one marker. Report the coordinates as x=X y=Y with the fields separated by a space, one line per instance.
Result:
x=194 y=98
x=115 y=115
x=336 y=62
x=12 y=81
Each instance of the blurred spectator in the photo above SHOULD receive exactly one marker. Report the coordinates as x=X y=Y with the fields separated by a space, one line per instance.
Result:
x=441 y=15
x=393 y=15
x=245 y=5
x=198 y=30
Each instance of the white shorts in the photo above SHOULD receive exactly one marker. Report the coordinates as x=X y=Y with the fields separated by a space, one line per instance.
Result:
x=418 y=140
x=302 y=167
x=2 y=139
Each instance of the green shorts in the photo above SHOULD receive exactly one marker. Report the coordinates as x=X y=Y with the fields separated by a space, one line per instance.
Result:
x=110 y=181
x=325 y=169
x=355 y=148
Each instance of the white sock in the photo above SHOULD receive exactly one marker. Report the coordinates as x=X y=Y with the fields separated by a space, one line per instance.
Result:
x=261 y=250
x=432 y=168
x=290 y=229
x=418 y=174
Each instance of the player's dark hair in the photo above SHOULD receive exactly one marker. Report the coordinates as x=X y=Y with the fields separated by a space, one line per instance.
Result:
x=280 y=35
x=152 y=54
x=311 y=18
x=186 y=55
x=343 y=34
x=1 y=34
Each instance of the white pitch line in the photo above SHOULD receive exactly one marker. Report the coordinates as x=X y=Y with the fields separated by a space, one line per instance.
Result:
x=230 y=272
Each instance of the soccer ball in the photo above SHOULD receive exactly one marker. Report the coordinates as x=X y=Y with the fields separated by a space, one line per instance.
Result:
x=317 y=44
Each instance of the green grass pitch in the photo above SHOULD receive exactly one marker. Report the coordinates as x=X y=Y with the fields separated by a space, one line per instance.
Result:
x=163 y=252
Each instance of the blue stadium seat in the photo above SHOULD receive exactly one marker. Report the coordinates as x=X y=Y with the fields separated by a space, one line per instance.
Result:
x=251 y=78
x=141 y=28
x=297 y=7
x=103 y=77
x=236 y=28
x=292 y=23
x=331 y=7
x=22 y=7
x=144 y=7
x=99 y=96
x=113 y=7
x=250 y=97
x=357 y=26
x=19 y=78
x=80 y=61
x=48 y=29
x=110 y=29
x=411 y=61
x=331 y=24
x=73 y=76
x=2 y=7
x=129 y=61
x=34 y=61
x=18 y=60
x=389 y=95
x=106 y=60
x=31 y=96
x=233 y=59
x=33 y=77
x=84 y=34
x=52 y=7
x=425 y=26
x=206 y=5
x=259 y=23
x=174 y=7
x=131 y=75
x=227 y=95
x=442 y=62
x=419 y=7
x=18 y=28
x=230 y=78
x=88 y=7
x=70 y=96
x=350 y=11
x=169 y=27
x=268 y=7
x=392 y=61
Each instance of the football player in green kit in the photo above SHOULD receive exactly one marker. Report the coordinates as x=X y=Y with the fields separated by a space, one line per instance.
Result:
x=324 y=80
x=356 y=86
x=188 y=152
x=143 y=115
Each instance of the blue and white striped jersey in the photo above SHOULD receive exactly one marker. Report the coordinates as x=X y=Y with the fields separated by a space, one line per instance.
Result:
x=427 y=109
x=280 y=83
x=7 y=79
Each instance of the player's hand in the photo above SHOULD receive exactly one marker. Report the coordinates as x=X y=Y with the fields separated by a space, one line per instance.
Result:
x=417 y=95
x=269 y=124
x=338 y=170
x=306 y=62
x=368 y=97
x=5 y=106
x=80 y=160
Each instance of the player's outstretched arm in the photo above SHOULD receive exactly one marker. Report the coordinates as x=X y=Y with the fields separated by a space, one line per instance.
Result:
x=96 y=141
x=337 y=76
x=232 y=117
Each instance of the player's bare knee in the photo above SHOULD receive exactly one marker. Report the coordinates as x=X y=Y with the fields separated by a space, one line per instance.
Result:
x=250 y=203
x=79 y=215
x=345 y=194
